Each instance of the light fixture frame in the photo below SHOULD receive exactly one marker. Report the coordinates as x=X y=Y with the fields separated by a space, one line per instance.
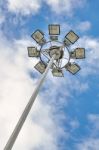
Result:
x=35 y=49
x=71 y=64
x=41 y=63
x=73 y=54
x=38 y=30
x=70 y=38
x=66 y=36
x=76 y=53
x=54 y=25
x=60 y=71
x=53 y=47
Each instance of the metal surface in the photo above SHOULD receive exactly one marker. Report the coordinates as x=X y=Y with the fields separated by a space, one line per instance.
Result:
x=41 y=67
x=27 y=109
x=57 y=72
x=58 y=48
x=54 y=29
x=72 y=37
x=38 y=35
x=73 y=68
x=33 y=52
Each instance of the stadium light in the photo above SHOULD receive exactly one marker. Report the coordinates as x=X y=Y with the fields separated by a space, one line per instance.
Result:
x=33 y=52
x=71 y=38
x=40 y=66
x=78 y=53
x=55 y=55
x=54 y=29
x=38 y=36
x=57 y=72
x=72 y=68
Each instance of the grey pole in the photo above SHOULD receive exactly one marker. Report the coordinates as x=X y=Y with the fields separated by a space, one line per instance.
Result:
x=27 y=109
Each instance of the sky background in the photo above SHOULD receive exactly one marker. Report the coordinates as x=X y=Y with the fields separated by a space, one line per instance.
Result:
x=65 y=115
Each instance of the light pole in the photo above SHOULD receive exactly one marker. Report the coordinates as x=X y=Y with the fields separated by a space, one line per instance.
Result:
x=53 y=55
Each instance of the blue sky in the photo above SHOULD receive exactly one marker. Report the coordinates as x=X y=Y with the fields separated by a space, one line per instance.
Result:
x=65 y=115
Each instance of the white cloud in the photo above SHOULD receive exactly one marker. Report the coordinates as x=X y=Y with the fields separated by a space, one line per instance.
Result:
x=66 y=6
x=94 y=121
x=91 y=46
x=2 y=16
x=92 y=141
x=42 y=128
x=16 y=86
x=93 y=118
x=74 y=124
x=28 y=7
x=24 y=7
x=89 y=144
x=84 y=26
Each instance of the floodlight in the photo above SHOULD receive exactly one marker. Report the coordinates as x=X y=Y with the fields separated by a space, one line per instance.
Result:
x=40 y=66
x=54 y=29
x=57 y=72
x=33 y=52
x=72 y=37
x=55 y=55
x=38 y=36
x=72 y=68
x=78 y=53
x=54 y=38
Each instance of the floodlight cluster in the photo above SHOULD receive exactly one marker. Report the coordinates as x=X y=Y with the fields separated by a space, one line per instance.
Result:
x=61 y=49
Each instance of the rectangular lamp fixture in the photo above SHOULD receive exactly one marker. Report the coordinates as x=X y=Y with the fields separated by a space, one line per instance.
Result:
x=33 y=52
x=41 y=67
x=78 y=53
x=72 y=37
x=57 y=72
x=72 y=68
x=54 y=29
x=38 y=36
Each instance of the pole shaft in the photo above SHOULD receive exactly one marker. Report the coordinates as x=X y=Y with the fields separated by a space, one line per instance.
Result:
x=27 y=109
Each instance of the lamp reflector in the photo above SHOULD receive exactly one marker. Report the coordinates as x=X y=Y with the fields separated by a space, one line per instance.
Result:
x=80 y=53
x=54 y=29
x=40 y=66
x=57 y=72
x=38 y=36
x=72 y=37
x=72 y=68
x=33 y=52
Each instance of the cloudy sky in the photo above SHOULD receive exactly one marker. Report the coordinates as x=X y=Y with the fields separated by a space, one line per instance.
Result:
x=65 y=115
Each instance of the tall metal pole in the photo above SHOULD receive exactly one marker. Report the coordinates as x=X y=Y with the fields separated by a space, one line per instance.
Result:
x=27 y=109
